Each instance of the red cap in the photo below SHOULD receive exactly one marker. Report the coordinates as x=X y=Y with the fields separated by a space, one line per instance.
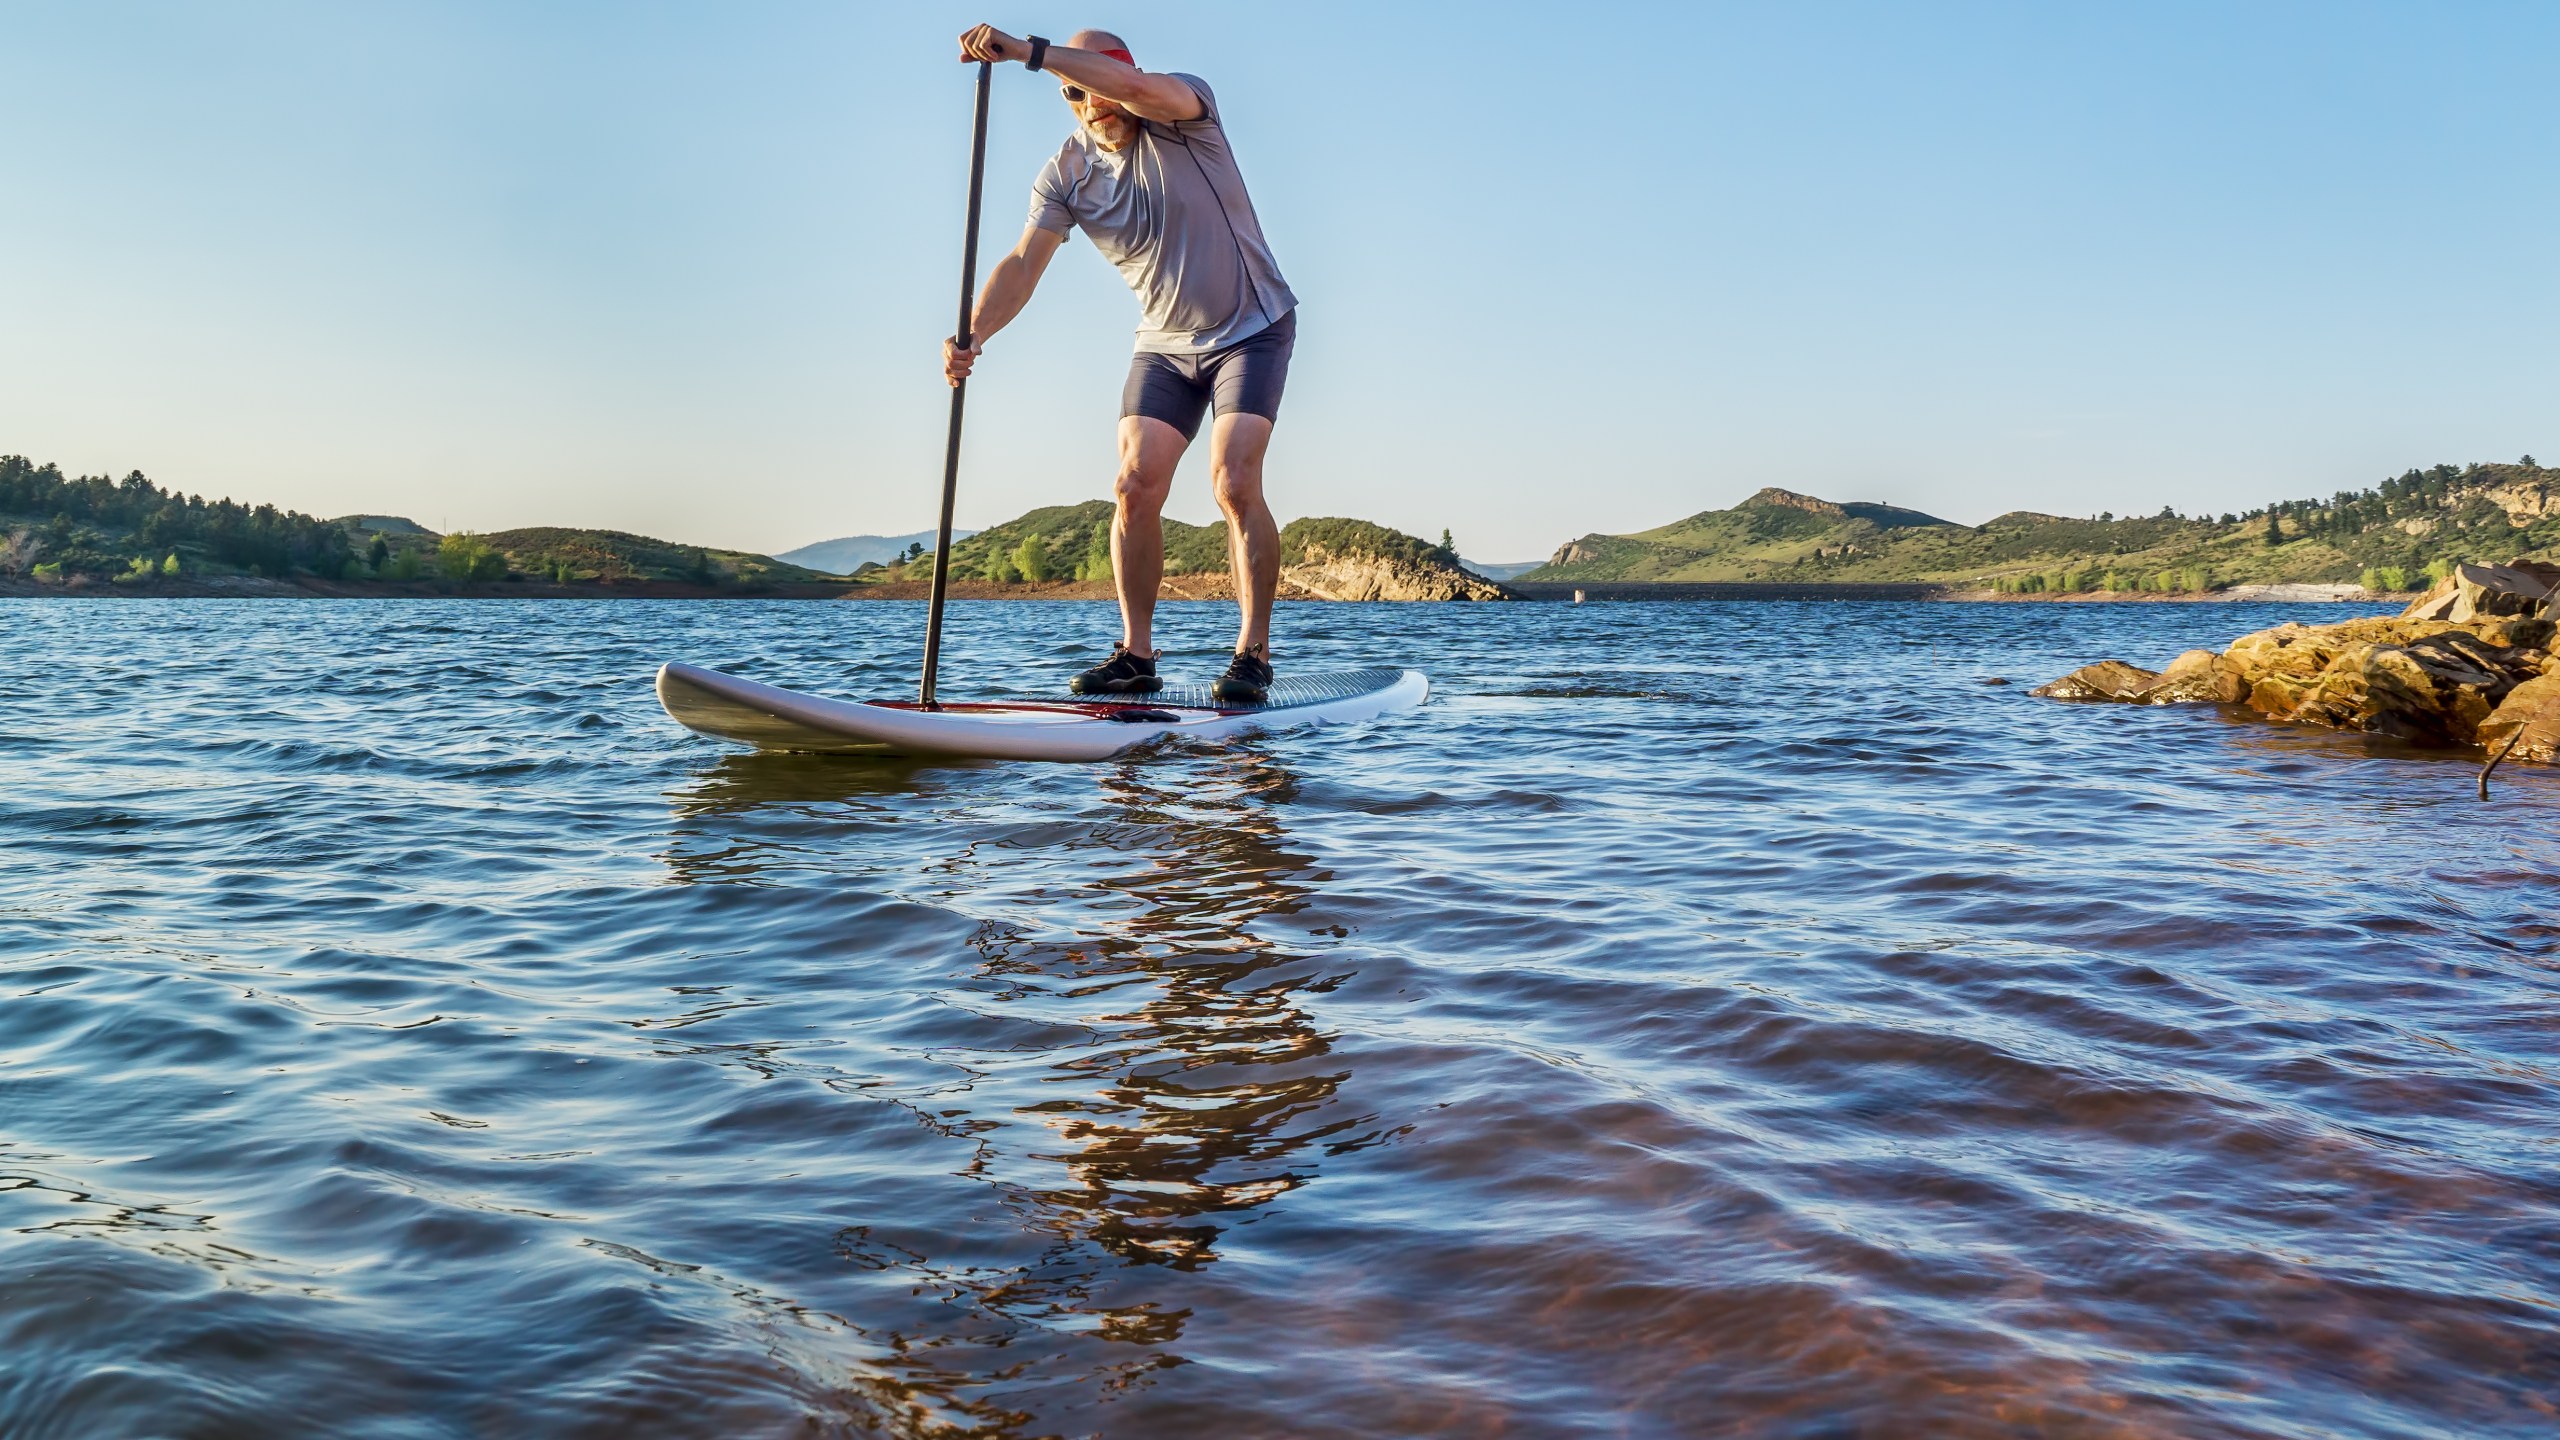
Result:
x=1120 y=55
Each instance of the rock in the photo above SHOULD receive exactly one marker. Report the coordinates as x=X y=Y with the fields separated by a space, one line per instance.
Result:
x=2519 y=587
x=2436 y=604
x=2189 y=680
x=2533 y=707
x=2423 y=680
x=1369 y=577
x=2106 y=680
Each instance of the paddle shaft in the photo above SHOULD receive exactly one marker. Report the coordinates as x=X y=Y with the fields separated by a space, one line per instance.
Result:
x=959 y=398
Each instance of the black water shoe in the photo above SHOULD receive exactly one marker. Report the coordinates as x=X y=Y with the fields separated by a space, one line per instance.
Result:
x=1247 y=681
x=1126 y=673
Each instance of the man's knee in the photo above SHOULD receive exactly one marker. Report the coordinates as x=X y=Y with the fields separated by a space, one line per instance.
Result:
x=1237 y=485
x=1141 y=491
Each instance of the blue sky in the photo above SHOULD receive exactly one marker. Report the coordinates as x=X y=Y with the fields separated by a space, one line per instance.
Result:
x=681 y=268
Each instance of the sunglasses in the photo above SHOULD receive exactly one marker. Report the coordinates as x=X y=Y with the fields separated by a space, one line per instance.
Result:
x=1073 y=94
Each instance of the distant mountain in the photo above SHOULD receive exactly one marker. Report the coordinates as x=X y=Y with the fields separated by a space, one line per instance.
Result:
x=1501 y=571
x=844 y=556
x=2389 y=538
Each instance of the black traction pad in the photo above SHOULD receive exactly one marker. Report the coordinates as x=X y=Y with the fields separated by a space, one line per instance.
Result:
x=1287 y=692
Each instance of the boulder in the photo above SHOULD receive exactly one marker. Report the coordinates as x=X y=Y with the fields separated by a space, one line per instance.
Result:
x=2106 y=680
x=2192 y=678
x=2534 y=708
x=2471 y=592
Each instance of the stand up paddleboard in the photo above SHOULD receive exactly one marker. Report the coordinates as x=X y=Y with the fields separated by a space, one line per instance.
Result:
x=1084 y=728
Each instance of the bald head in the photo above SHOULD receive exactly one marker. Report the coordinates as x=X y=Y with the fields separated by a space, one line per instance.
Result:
x=1096 y=40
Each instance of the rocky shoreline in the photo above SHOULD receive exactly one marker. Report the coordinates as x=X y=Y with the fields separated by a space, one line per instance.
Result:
x=2470 y=663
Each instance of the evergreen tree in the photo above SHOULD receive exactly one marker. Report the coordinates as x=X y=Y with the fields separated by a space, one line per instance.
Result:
x=2275 y=529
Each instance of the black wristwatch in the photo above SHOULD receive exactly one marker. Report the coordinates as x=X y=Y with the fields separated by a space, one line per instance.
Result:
x=1039 y=52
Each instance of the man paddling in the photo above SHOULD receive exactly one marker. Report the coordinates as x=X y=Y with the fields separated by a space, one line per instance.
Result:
x=1149 y=178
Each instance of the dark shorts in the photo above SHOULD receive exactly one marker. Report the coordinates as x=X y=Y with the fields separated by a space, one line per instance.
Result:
x=1248 y=376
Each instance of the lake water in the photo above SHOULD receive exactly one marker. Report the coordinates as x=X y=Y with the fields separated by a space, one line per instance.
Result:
x=1698 y=1020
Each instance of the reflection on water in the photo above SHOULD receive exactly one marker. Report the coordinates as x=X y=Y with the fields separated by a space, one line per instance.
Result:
x=1198 y=1088
x=1697 y=1020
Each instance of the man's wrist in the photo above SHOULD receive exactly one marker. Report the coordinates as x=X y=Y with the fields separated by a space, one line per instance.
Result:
x=1039 y=53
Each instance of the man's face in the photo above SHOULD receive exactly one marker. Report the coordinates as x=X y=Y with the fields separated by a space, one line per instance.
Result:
x=1103 y=119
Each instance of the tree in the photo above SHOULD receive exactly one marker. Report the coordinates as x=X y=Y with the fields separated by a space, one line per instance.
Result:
x=1032 y=559
x=1096 y=564
x=915 y=551
x=169 y=567
x=2275 y=529
x=19 y=549
x=1446 y=543
x=465 y=557
x=377 y=552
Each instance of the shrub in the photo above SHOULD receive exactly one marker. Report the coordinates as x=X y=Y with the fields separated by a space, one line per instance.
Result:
x=407 y=565
x=2196 y=581
x=1032 y=558
x=50 y=574
x=456 y=553
x=169 y=567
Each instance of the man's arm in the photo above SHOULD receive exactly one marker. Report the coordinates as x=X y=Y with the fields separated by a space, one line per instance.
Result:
x=1147 y=96
x=1007 y=290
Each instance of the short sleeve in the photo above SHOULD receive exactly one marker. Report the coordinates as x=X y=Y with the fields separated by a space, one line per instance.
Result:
x=1049 y=200
x=1208 y=100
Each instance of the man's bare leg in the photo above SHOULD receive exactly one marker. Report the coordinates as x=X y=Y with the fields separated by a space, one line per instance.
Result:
x=1236 y=443
x=1149 y=451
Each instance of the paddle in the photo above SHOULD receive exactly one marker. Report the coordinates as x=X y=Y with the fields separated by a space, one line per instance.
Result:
x=959 y=396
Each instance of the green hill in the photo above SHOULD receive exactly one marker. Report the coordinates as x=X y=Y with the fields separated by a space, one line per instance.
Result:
x=62 y=530
x=1073 y=542
x=2390 y=537
x=612 y=557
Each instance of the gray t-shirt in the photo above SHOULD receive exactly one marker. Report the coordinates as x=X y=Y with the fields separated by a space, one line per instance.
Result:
x=1171 y=211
